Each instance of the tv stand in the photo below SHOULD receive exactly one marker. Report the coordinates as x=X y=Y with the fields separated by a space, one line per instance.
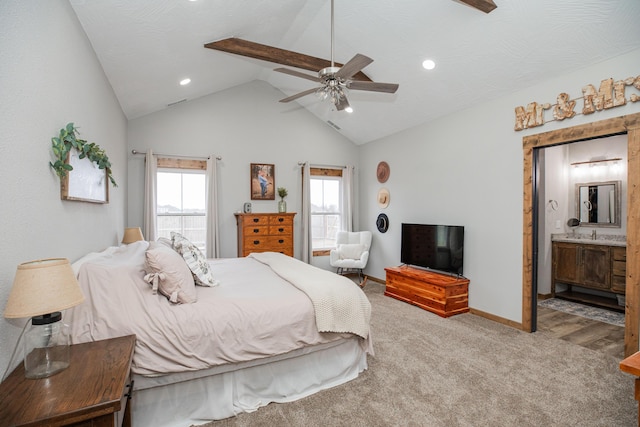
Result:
x=438 y=293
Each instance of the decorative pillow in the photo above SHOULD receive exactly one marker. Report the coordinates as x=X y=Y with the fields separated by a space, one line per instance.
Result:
x=195 y=259
x=167 y=242
x=168 y=273
x=350 y=250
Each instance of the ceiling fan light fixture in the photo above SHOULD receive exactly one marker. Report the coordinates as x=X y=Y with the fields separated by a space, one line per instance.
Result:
x=185 y=82
x=349 y=109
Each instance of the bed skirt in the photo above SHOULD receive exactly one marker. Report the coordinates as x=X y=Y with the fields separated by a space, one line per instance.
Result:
x=197 y=399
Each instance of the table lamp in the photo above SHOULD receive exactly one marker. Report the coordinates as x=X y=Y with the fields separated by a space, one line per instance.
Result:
x=132 y=234
x=41 y=290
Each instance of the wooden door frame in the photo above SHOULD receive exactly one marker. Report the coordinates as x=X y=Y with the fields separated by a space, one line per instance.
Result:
x=630 y=125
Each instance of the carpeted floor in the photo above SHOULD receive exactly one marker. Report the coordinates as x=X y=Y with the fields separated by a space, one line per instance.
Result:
x=582 y=310
x=462 y=371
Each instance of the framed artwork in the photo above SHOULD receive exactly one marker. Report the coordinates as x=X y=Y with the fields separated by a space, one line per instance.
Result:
x=263 y=181
x=86 y=182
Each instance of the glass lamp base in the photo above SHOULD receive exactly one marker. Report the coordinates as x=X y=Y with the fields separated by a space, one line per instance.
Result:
x=46 y=369
x=46 y=348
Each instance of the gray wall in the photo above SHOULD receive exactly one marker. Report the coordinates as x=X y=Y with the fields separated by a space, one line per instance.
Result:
x=49 y=76
x=245 y=124
x=466 y=169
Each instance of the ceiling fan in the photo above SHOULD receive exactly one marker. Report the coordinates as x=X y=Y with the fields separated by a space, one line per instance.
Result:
x=334 y=81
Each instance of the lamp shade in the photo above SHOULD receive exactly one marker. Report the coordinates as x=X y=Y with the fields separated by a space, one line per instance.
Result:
x=42 y=287
x=132 y=234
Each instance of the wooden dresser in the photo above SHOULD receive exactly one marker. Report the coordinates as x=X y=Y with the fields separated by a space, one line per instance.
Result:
x=265 y=232
x=438 y=293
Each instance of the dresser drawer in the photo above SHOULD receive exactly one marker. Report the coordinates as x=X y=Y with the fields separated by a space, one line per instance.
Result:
x=256 y=230
x=280 y=230
x=285 y=220
x=251 y=220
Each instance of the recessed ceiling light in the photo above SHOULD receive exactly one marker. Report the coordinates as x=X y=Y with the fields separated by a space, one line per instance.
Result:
x=184 y=82
x=428 y=64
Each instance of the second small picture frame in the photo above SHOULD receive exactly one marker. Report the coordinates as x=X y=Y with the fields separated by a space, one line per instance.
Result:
x=263 y=181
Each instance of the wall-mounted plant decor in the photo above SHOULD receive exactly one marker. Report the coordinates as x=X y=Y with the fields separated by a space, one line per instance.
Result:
x=89 y=162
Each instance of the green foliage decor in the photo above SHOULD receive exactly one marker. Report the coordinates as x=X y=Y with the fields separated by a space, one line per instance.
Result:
x=68 y=139
x=282 y=192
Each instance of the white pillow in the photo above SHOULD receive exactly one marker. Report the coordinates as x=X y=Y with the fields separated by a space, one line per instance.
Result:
x=196 y=261
x=350 y=250
x=167 y=270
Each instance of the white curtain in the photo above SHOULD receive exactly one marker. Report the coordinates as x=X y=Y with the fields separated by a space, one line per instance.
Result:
x=347 y=198
x=150 y=196
x=213 y=243
x=307 y=250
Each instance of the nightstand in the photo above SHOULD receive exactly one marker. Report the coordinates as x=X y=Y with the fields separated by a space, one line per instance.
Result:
x=92 y=391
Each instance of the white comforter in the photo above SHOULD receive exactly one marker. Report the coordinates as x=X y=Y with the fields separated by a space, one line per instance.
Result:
x=339 y=304
x=252 y=314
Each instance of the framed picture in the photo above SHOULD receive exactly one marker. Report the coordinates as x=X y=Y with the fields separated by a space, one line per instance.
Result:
x=86 y=182
x=263 y=181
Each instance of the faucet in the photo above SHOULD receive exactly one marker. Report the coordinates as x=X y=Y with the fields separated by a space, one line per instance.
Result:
x=593 y=234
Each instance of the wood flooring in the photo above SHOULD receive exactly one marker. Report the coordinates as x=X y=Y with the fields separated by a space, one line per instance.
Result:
x=584 y=332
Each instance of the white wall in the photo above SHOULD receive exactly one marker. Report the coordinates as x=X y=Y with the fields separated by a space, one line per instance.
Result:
x=49 y=76
x=245 y=124
x=466 y=169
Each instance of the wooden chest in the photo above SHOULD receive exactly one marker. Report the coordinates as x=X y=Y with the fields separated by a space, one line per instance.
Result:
x=265 y=232
x=438 y=293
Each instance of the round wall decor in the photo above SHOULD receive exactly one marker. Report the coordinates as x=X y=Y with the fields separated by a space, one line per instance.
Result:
x=382 y=223
x=383 y=172
x=383 y=198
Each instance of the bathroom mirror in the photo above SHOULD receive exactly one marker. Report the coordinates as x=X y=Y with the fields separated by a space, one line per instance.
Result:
x=598 y=204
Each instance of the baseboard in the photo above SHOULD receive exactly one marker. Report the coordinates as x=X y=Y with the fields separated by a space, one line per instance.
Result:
x=502 y=320
x=542 y=297
x=375 y=279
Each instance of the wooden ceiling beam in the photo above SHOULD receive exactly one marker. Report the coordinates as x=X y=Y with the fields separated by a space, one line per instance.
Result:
x=485 y=6
x=276 y=55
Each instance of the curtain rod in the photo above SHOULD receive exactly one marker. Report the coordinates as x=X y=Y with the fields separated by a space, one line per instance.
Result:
x=134 y=151
x=322 y=166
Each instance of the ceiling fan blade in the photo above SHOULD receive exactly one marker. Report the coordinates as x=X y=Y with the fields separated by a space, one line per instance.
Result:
x=299 y=95
x=298 y=74
x=374 y=86
x=275 y=55
x=485 y=6
x=342 y=103
x=354 y=66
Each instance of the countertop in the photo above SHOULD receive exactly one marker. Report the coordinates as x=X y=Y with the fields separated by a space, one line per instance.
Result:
x=585 y=239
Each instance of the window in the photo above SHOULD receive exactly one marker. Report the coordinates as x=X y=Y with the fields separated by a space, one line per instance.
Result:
x=326 y=207
x=181 y=203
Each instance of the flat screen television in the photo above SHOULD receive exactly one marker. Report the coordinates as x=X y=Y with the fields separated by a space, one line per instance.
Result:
x=434 y=247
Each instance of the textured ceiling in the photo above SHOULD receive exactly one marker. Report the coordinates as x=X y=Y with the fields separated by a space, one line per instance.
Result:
x=147 y=46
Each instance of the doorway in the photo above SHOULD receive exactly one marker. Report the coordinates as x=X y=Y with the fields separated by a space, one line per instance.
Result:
x=629 y=125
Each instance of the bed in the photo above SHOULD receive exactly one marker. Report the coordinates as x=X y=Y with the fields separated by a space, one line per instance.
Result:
x=264 y=328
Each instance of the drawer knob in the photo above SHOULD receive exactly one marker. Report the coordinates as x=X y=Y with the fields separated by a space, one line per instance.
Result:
x=281 y=229
x=256 y=219
x=280 y=241
x=280 y=219
x=256 y=230
x=130 y=387
x=256 y=242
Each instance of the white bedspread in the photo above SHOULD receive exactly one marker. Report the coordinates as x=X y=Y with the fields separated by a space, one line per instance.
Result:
x=253 y=314
x=340 y=305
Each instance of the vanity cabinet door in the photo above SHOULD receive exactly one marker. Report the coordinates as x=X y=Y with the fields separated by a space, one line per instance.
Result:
x=596 y=267
x=566 y=262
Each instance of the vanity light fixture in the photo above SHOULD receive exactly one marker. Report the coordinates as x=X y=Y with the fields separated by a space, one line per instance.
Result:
x=591 y=162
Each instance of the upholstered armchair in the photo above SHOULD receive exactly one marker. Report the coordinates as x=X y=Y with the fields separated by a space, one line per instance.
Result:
x=351 y=253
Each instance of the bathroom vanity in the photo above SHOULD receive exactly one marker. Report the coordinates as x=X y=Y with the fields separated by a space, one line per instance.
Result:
x=590 y=262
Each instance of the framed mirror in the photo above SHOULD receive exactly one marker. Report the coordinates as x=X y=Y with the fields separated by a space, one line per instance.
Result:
x=598 y=204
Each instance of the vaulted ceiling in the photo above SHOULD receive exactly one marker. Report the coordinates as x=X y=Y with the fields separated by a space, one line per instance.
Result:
x=147 y=46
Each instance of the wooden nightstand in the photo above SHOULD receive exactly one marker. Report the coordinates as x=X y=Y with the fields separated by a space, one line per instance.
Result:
x=92 y=391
